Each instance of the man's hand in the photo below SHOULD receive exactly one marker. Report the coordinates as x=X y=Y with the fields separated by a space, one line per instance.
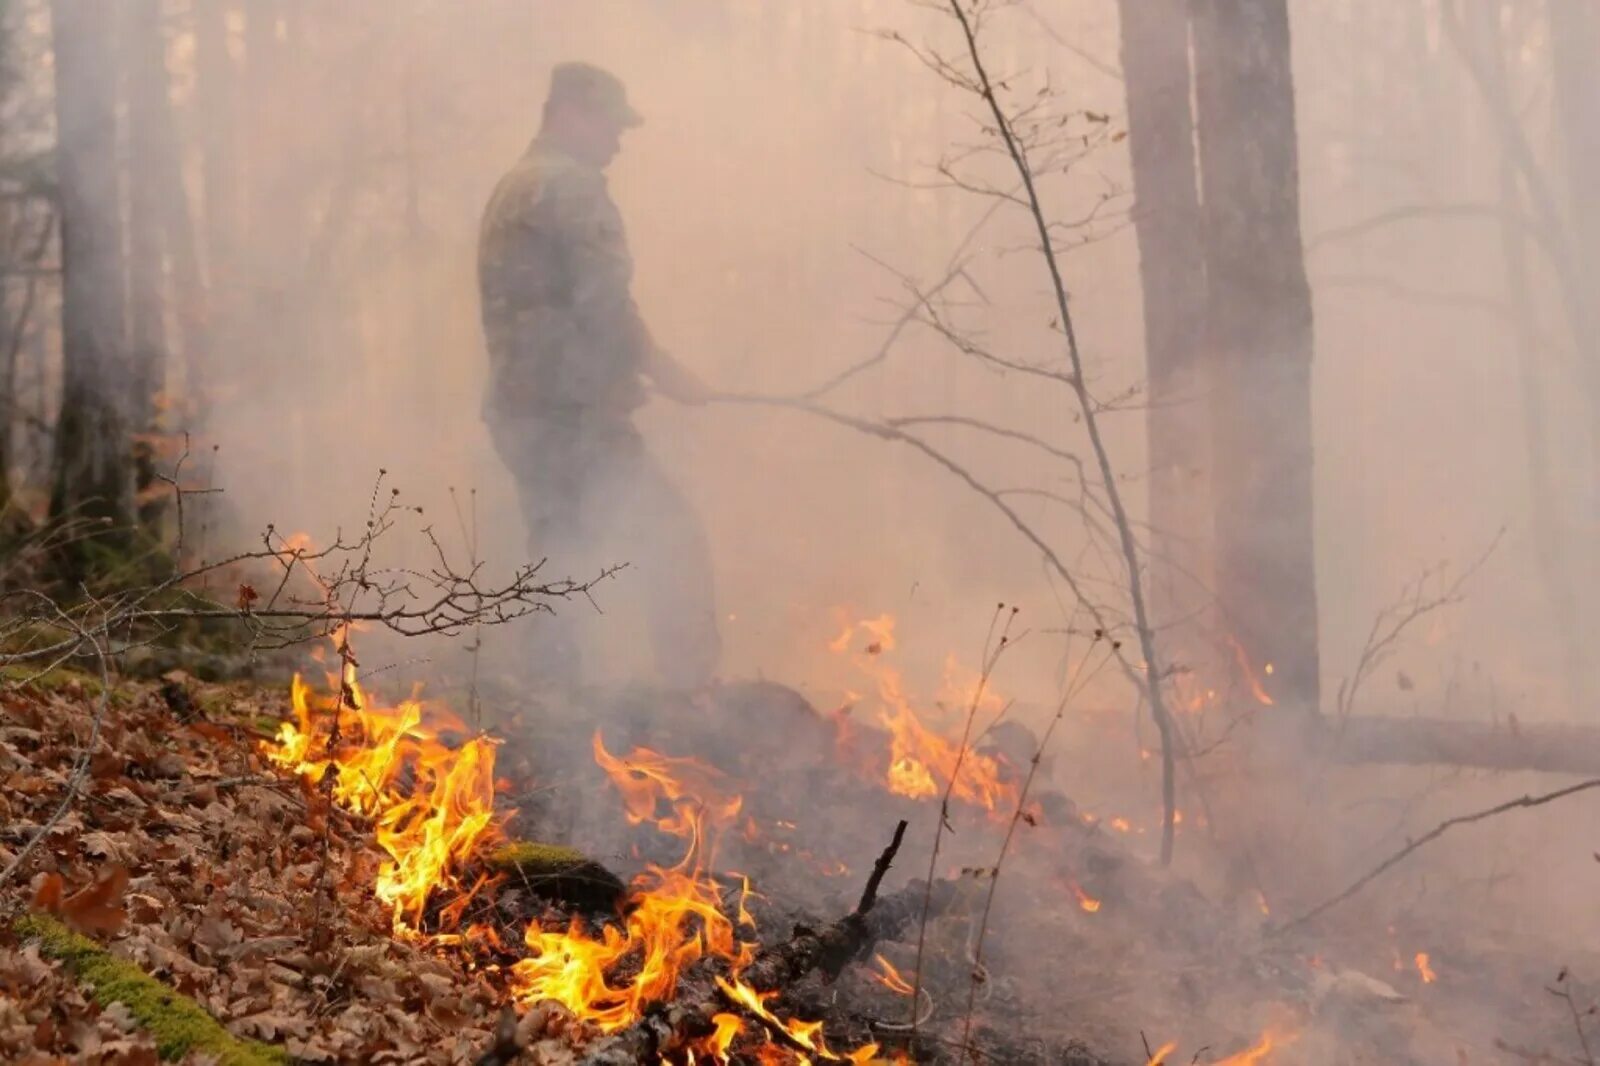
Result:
x=677 y=382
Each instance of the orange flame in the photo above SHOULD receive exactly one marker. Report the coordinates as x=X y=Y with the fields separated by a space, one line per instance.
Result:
x=889 y=977
x=432 y=805
x=1425 y=969
x=1256 y=689
x=1160 y=1057
x=675 y=919
x=1257 y=1054
x=920 y=760
x=1088 y=903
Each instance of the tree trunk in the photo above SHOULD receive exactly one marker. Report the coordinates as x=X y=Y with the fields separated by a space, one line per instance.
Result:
x=220 y=217
x=1574 y=44
x=1167 y=222
x=145 y=69
x=1551 y=540
x=93 y=474
x=1260 y=345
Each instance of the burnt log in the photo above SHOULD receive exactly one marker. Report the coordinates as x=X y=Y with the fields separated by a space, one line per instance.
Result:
x=827 y=949
x=1548 y=747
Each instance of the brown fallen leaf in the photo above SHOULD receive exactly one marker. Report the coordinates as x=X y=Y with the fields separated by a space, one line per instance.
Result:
x=98 y=908
x=47 y=892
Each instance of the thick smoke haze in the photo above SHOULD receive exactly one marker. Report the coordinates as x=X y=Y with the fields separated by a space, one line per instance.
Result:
x=785 y=169
x=785 y=204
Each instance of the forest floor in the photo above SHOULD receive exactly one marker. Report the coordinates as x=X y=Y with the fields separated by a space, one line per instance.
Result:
x=188 y=857
x=192 y=902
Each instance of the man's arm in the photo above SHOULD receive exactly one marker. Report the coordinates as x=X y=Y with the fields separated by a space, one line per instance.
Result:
x=672 y=379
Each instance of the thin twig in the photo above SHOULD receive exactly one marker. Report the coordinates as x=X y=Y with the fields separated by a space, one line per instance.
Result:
x=978 y=976
x=985 y=88
x=992 y=651
x=1434 y=834
x=80 y=770
x=1565 y=994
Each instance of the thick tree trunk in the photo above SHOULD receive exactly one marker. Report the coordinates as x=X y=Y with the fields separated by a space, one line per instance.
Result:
x=144 y=58
x=220 y=177
x=93 y=473
x=1167 y=222
x=1260 y=341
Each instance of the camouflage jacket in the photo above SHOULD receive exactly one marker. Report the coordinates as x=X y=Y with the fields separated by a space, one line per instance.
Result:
x=563 y=332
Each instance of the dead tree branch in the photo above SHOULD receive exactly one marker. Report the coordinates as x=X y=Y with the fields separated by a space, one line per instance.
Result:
x=1429 y=837
x=981 y=83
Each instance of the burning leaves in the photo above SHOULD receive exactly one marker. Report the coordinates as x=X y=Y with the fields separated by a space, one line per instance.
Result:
x=920 y=760
x=432 y=805
x=189 y=860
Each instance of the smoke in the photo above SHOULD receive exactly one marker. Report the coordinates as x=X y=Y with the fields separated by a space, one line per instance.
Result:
x=781 y=203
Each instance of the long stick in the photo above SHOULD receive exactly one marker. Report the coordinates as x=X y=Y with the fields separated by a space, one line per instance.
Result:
x=1091 y=423
x=1434 y=834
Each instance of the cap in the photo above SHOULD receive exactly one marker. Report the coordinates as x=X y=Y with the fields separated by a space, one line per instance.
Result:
x=587 y=84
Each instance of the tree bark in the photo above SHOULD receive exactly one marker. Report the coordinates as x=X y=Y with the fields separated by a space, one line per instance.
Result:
x=1167 y=223
x=93 y=474
x=1260 y=344
x=220 y=212
x=144 y=66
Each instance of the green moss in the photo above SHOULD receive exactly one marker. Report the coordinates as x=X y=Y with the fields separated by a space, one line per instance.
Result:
x=558 y=872
x=529 y=857
x=178 y=1024
x=57 y=679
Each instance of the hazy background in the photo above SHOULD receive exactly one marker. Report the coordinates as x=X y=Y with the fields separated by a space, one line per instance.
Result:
x=779 y=193
x=771 y=173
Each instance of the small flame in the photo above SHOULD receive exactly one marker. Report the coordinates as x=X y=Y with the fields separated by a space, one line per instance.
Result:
x=1086 y=902
x=1256 y=1054
x=1160 y=1057
x=1425 y=969
x=1256 y=689
x=432 y=805
x=889 y=977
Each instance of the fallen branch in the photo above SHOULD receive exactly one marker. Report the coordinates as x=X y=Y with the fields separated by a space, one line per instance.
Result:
x=828 y=950
x=869 y=895
x=1433 y=834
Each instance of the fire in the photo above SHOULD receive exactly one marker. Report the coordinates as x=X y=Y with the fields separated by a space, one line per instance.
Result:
x=889 y=977
x=1256 y=689
x=432 y=805
x=879 y=632
x=806 y=1035
x=1086 y=902
x=1425 y=969
x=1160 y=1057
x=921 y=761
x=688 y=789
x=674 y=920
x=1257 y=1054
x=674 y=915
x=911 y=777
x=432 y=808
